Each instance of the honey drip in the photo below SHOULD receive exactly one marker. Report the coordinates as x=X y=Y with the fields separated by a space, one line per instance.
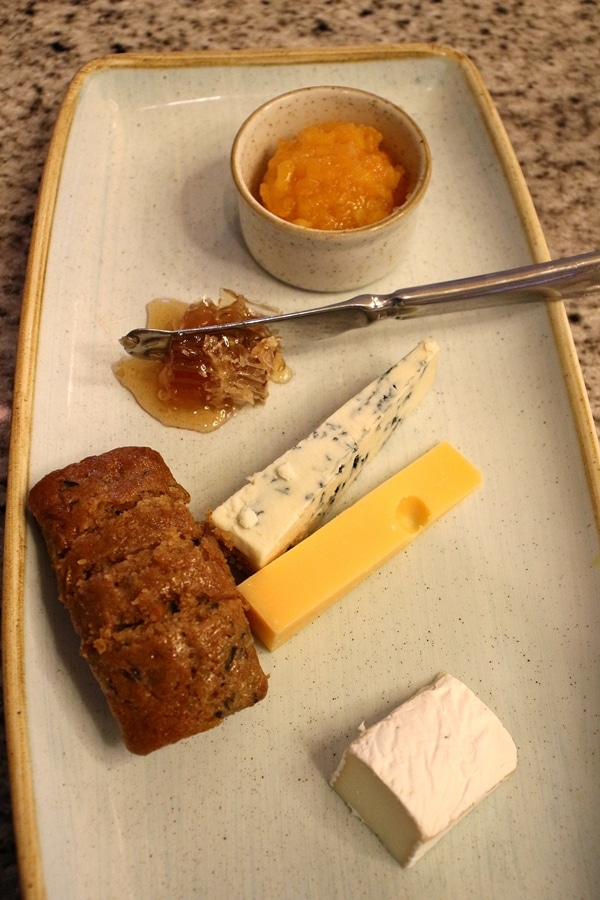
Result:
x=205 y=380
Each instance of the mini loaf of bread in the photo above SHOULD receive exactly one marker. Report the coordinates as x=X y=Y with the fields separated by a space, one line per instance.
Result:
x=150 y=595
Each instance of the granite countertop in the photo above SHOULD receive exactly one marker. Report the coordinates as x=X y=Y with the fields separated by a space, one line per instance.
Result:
x=540 y=62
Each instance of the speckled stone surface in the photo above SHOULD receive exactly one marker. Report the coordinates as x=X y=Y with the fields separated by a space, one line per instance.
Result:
x=539 y=60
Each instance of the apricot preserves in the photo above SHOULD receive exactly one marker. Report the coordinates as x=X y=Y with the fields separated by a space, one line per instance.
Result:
x=333 y=176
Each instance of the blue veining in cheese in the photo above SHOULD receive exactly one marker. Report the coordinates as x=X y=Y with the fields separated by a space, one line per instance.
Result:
x=281 y=504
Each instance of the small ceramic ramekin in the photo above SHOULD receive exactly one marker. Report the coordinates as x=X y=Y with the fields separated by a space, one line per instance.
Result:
x=310 y=258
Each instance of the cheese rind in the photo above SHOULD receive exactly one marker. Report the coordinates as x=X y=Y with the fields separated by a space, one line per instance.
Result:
x=292 y=590
x=282 y=503
x=415 y=774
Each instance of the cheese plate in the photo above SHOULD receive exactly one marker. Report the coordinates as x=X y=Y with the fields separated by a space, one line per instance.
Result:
x=137 y=203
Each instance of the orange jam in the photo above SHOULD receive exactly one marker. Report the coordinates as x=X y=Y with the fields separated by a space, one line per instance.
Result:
x=205 y=379
x=333 y=176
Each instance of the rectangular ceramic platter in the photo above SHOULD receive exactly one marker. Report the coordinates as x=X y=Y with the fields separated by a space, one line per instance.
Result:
x=503 y=592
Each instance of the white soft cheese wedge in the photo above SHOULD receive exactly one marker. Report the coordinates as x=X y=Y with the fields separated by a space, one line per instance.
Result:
x=413 y=775
x=280 y=505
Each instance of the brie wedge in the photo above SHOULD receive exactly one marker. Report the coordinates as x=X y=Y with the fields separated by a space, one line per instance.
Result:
x=415 y=774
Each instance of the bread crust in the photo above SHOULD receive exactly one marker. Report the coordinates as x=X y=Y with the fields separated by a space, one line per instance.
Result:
x=150 y=595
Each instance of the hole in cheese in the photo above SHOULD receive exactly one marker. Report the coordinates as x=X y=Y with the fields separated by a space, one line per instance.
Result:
x=296 y=587
x=412 y=514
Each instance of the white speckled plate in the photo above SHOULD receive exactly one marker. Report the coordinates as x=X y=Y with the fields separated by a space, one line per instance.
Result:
x=503 y=592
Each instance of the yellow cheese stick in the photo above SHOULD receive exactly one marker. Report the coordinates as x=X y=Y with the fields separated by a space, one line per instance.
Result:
x=292 y=590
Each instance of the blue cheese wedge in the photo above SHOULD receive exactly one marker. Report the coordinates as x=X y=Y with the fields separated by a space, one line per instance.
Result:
x=279 y=506
x=415 y=774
